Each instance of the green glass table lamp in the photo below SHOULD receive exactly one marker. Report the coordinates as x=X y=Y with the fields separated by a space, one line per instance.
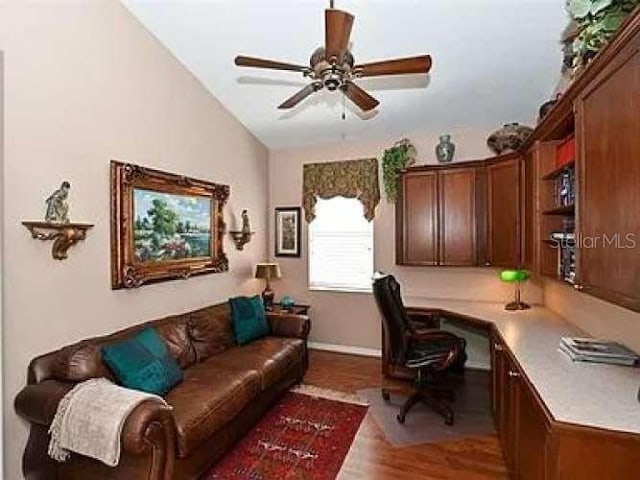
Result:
x=517 y=277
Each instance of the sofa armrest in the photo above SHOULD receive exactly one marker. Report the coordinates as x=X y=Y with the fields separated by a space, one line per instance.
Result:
x=289 y=325
x=149 y=424
x=38 y=402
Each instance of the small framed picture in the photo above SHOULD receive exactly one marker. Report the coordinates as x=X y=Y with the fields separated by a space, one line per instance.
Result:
x=287 y=231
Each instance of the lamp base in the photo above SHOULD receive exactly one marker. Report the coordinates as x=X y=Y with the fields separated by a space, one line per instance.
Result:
x=517 y=306
x=268 y=296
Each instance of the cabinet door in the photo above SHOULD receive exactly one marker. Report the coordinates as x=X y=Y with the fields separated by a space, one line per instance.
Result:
x=417 y=219
x=511 y=398
x=533 y=431
x=503 y=223
x=529 y=211
x=608 y=170
x=457 y=232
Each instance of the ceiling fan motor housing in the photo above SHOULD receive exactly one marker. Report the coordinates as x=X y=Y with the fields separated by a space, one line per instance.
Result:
x=332 y=73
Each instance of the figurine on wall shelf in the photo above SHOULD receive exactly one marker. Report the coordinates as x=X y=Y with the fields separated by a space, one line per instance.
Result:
x=246 y=229
x=57 y=207
x=242 y=236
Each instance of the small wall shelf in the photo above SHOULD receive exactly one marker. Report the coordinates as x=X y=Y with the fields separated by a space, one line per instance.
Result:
x=241 y=238
x=64 y=235
x=558 y=170
x=568 y=210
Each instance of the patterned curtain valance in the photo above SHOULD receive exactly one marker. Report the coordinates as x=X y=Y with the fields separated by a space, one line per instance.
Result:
x=350 y=179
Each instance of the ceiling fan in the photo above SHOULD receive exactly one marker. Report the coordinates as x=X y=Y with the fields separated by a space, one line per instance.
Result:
x=333 y=66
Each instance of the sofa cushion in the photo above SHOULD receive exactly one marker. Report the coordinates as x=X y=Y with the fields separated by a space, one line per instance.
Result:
x=210 y=330
x=270 y=357
x=142 y=362
x=79 y=362
x=175 y=333
x=248 y=318
x=209 y=396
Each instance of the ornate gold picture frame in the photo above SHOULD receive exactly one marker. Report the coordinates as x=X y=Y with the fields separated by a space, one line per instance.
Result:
x=164 y=226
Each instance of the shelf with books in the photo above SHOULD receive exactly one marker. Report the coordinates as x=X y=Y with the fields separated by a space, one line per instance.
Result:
x=567 y=210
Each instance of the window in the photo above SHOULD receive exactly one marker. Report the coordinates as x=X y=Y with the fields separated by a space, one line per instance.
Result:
x=340 y=246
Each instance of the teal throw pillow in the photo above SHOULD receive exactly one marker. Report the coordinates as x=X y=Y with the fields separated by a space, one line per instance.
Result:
x=143 y=362
x=248 y=318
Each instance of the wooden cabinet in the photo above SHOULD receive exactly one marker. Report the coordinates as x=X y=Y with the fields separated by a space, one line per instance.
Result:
x=608 y=135
x=529 y=213
x=520 y=420
x=503 y=212
x=536 y=447
x=533 y=434
x=457 y=225
x=465 y=214
x=436 y=217
x=417 y=219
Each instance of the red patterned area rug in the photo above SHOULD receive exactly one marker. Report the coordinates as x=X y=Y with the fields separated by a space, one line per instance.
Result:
x=305 y=436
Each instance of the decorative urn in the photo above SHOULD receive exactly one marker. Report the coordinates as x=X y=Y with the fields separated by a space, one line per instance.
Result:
x=509 y=138
x=445 y=149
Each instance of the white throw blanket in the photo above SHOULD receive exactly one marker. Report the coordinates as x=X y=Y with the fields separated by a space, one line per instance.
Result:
x=90 y=418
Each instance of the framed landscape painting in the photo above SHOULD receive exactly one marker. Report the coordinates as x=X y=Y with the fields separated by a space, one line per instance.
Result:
x=164 y=226
x=287 y=232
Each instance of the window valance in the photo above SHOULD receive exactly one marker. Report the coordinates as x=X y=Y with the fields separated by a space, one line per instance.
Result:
x=349 y=178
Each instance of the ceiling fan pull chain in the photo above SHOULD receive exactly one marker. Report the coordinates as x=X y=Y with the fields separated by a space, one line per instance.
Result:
x=344 y=114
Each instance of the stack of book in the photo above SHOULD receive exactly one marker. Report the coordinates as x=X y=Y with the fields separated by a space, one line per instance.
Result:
x=598 y=351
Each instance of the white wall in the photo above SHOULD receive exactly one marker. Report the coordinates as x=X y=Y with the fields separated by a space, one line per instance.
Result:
x=598 y=318
x=86 y=83
x=1 y=257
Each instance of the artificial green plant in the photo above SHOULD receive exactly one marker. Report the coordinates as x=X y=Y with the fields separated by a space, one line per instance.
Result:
x=597 y=21
x=401 y=155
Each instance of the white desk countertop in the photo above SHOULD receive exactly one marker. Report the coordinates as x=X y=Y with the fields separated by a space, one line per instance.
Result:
x=604 y=396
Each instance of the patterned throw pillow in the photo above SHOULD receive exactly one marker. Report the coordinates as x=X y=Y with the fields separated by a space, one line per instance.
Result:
x=248 y=318
x=143 y=363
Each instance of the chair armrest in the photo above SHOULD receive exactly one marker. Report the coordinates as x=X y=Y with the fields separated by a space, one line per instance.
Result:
x=289 y=325
x=38 y=402
x=431 y=334
x=423 y=317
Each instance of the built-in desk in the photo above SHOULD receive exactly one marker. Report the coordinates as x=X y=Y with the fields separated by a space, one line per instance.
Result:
x=574 y=420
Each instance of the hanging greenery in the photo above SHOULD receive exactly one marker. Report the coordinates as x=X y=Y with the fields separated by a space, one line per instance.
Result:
x=597 y=21
x=395 y=159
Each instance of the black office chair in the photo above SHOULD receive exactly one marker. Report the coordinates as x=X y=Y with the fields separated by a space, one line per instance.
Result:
x=431 y=353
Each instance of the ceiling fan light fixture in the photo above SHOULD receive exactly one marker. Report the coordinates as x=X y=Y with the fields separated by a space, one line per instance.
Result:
x=333 y=67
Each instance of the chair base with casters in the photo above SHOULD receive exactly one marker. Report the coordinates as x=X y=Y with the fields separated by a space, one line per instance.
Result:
x=434 y=396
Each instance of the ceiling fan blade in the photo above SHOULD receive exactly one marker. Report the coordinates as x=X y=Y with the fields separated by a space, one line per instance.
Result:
x=243 y=61
x=358 y=96
x=301 y=95
x=337 y=32
x=399 y=66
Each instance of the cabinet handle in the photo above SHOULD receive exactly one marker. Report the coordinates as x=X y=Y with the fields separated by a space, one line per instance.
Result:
x=578 y=287
x=513 y=374
x=497 y=347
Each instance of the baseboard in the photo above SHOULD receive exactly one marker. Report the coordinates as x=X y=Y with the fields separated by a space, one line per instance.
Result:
x=373 y=352
x=333 y=347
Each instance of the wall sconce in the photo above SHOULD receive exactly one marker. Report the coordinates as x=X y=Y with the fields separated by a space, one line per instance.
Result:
x=242 y=237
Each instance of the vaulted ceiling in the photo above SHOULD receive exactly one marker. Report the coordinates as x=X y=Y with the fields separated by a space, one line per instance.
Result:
x=494 y=61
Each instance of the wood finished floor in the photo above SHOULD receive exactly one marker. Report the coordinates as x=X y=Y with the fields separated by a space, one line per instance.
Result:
x=373 y=458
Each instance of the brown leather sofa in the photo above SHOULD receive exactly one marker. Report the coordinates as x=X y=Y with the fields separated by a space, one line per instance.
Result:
x=225 y=391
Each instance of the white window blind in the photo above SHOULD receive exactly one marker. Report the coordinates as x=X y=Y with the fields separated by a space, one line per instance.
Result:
x=340 y=246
